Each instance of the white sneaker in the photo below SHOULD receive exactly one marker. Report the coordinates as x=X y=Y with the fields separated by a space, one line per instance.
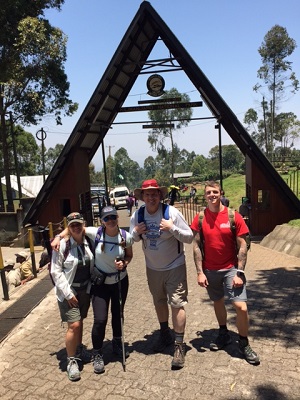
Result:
x=73 y=369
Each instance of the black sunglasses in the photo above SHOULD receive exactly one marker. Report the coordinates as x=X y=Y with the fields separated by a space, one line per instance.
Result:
x=112 y=217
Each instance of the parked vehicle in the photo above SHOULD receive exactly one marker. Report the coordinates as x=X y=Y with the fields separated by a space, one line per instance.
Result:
x=99 y=200
x=118 y=196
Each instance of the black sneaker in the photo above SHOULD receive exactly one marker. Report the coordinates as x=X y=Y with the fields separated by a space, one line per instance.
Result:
x=179 y=355
x=117 y=348
x=222 y=340
x=249 y=354
x=164 y=340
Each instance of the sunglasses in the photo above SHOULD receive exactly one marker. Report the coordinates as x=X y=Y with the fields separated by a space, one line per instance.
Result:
x=112 y=217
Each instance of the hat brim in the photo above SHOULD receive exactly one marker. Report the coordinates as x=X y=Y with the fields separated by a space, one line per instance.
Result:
x=109 y=213
x=138 y=192
x=23 y=255
x=75 y=221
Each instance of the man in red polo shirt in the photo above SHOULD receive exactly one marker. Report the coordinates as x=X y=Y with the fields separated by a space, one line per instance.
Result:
x=220 y=268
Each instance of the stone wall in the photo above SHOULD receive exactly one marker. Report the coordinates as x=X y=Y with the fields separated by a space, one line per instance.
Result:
x=283 y=238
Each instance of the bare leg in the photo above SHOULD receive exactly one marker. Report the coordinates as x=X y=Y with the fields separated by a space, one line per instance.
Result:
x=220 y=311
x=178 y=319
x=162 y=312
x=242 y=317
x=73 y=337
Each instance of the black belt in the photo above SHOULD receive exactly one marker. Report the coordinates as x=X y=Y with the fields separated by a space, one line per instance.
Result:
x=80 y=284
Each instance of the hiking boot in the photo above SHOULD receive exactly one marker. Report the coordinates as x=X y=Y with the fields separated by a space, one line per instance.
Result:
x=179 y=355
x=98 y=363
x=83 y=354
x=117 y=348
x=164 y=340
x=222 y=340
x=249 y=354
x=73 y=369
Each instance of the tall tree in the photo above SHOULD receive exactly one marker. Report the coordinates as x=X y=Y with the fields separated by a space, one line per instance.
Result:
x=150 y=167
x=127 y=171
x=180 y=116
x=286 y=127
x=51 y=155
x=276 y=71
x=33 y=82
x=287 y=131
x=26 y=152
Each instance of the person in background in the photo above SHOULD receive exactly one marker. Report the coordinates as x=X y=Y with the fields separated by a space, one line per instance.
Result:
x=45 y=257
x=23 y=258
x=130 y=203
x=244 y=210
x=221 y=270
x=71 y=271
x=12 y=274
x=224 y=199
x=173 y=194
x=165 y=263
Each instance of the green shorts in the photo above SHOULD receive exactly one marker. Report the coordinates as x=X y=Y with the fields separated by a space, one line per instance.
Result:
x=74 y=314
x=168 y=286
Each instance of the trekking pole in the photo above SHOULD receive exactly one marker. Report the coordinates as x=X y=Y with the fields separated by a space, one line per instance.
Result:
x=122 y=322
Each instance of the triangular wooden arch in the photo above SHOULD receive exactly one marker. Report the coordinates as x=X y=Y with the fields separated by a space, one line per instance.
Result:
x=69 y=176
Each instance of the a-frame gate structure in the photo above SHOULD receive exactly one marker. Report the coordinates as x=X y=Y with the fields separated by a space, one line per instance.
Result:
x=67 y=186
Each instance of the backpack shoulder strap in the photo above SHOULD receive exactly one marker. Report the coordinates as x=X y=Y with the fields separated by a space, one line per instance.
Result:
x=166 y=211
x=141 y=214
x=67 y=249
x=90 y=243
x=98 y=235
x=200 y=222
x=124 y=233
x=201 y=217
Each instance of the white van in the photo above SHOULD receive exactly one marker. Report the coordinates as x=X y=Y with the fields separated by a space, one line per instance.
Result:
x=118 y=196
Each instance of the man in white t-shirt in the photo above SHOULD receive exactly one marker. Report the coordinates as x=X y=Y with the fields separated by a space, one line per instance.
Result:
x=163 y=232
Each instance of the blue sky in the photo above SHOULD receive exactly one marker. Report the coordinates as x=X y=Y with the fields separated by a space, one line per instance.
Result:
x=222 y=36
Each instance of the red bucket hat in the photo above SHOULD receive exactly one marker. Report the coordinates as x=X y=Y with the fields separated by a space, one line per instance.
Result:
x=150 y=184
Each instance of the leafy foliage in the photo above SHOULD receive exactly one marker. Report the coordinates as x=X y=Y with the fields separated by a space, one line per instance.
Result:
x=181 y=117
x=33 y=82
x=278 y=77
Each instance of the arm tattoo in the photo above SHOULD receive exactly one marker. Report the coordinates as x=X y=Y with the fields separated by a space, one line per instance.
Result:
x=197 y=253
x=242 y=254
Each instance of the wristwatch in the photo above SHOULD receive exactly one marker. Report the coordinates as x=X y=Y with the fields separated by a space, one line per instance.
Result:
x=240 y=273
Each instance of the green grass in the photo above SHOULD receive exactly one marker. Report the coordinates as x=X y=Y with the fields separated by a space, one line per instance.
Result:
x=295 y=223
x=234 y=187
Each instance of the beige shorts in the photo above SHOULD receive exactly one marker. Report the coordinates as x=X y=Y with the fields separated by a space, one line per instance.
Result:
x=168 y=286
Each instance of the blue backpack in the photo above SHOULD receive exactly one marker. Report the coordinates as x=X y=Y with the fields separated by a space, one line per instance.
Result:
x=141 y=212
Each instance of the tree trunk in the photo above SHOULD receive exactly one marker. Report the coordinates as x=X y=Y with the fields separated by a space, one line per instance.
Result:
x=10 y=203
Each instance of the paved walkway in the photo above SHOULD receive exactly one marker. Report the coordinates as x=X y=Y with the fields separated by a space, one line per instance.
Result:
x=32 y=356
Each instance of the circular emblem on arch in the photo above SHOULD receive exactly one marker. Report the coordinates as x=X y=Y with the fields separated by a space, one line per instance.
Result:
x=155 y=85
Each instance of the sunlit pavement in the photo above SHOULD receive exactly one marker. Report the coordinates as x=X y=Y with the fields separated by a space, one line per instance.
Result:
x=32 y=356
